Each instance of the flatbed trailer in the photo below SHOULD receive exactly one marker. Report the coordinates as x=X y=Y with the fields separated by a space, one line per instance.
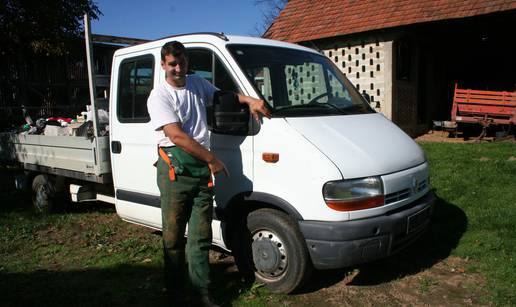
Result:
x=70 y=156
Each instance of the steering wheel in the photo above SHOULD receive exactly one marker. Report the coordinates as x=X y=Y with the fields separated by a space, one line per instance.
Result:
x=314 y=100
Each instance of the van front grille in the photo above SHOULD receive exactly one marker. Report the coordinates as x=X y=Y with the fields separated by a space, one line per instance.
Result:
x=422 y=185
x=397 y=196
x=405 y=193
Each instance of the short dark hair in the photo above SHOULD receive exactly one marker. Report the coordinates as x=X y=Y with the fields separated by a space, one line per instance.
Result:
x=174 y=48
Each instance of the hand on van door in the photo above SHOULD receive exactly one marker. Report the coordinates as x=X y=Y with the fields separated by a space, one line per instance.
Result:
x=257 y=107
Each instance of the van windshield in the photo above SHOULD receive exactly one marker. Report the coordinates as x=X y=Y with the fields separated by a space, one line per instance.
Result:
x=298 y=83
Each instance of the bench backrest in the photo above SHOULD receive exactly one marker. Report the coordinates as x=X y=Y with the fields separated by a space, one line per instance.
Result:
x=493 y=105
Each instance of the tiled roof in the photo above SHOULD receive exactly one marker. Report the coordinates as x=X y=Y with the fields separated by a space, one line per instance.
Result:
x=304 y=20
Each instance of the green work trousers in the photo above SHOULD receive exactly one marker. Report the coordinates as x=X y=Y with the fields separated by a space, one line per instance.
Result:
x=187 y=199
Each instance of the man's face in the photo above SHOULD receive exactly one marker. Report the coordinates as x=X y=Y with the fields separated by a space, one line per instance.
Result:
x=175 y=68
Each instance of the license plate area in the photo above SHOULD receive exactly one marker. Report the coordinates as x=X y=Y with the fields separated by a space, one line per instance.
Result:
x=417 y=220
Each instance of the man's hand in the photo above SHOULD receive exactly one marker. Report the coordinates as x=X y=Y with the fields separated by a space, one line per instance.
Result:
x=182 y=140
x=217 y=166
x=257 y=107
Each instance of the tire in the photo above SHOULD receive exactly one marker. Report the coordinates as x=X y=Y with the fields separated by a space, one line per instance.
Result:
x=43 y=194
x=272 y=249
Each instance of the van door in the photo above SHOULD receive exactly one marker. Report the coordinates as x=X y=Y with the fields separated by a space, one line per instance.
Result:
x=133 y=145
x=234 y=151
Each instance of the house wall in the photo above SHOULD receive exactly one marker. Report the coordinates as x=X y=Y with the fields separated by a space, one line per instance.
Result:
x=387 y=67
x=409 y=103
x=368 y=65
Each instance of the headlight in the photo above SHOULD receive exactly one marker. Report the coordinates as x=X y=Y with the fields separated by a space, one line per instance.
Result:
x=354 y=194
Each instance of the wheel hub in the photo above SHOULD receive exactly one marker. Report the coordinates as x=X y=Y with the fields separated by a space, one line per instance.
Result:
x=269 y=255
x=41 y=196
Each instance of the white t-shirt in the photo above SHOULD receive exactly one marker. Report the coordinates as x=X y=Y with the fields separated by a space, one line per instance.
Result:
x=185 y=105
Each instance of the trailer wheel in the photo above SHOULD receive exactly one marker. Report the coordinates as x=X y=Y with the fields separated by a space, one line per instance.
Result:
x=43 y=194
x=274 y=250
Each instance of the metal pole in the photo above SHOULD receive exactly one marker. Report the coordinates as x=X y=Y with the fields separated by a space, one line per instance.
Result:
x=91 y=81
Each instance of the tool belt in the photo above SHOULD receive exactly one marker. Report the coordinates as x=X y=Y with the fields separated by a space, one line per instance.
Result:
x=182 y=163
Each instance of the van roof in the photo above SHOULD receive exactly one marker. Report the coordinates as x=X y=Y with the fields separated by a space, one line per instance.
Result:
x=217 y=39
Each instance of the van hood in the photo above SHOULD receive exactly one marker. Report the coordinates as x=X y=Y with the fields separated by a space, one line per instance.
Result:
x=360 y=145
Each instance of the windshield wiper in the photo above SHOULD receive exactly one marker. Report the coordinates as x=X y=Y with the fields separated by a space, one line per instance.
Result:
x=355 y=107
x=311 y=106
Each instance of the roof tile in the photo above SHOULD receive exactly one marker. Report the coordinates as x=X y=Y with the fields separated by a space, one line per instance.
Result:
x=303 y=20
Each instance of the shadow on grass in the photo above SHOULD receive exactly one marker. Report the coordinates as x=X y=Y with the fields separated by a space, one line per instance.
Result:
x=448 y=225
x=125 y=285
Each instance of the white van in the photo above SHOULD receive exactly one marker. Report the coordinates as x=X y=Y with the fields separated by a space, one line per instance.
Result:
x=326 y=182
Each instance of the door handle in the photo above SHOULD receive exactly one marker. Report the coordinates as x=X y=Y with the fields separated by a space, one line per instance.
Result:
x=116 y=147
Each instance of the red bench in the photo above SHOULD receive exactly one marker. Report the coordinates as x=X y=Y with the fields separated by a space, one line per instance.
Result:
x=484 y=107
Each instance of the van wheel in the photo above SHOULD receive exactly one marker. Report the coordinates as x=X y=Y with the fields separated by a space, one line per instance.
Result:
x=274 y=250
x=43 y=194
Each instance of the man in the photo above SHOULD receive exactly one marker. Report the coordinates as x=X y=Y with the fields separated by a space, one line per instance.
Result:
x=177 y=108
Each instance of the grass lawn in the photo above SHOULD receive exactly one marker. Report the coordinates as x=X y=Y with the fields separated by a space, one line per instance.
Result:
x=88 y=256
x=480 y=179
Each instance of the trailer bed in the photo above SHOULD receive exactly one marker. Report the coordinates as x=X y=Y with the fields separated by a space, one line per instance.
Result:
x=70 y=156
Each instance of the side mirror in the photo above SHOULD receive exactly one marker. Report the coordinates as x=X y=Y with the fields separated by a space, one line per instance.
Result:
x=227 y=115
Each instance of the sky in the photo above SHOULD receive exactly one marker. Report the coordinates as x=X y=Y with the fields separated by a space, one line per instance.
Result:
x=153 y=19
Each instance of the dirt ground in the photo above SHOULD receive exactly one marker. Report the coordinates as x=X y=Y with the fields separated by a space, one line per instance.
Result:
x=414 y=277
x=445 y=136
x=447 y=283
x=441 y=136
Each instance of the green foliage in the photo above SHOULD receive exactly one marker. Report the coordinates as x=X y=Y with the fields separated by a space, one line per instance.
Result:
x=42 y=26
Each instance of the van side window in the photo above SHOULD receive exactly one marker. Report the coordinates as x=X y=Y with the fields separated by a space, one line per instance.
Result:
x=200 y=63
x=206 y=64
x=134 y=86
x=223 y=80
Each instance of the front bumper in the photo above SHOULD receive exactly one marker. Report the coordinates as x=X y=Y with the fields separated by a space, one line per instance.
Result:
x=342 y=244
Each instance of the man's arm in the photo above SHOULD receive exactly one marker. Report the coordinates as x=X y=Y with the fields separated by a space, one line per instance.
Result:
x=176 y=134
x=257 y=107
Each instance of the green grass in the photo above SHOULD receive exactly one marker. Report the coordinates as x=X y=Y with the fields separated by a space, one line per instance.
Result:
x=426 y=283
x=88 y=256
x=480 y=180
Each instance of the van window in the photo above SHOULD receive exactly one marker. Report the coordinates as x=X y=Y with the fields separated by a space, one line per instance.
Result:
x=298 y=83
x=200 y=63
x=223 y=80
x=304 y=82
x=204 y=63
x=261 y=78
x=134 y=86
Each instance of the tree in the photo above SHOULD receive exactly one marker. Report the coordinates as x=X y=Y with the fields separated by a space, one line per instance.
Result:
x=271 y=10
x=42 y=26
x=38 y=38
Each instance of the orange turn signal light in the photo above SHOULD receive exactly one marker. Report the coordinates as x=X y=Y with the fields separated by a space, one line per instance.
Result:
x=358 y=204
x=270 y=157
